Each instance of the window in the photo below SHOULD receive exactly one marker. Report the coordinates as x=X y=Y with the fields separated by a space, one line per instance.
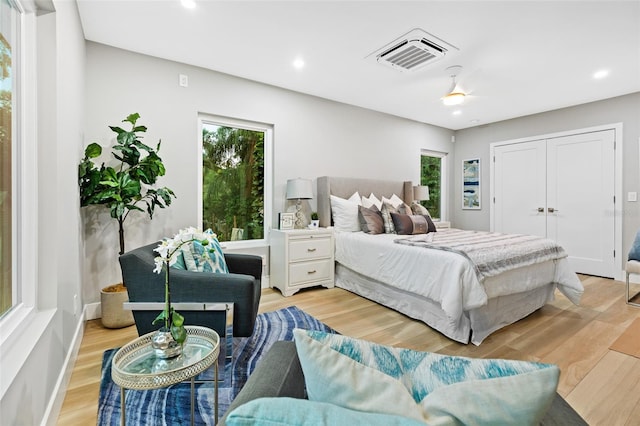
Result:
x=236 y=176
x=433 y=174
x=8 y=31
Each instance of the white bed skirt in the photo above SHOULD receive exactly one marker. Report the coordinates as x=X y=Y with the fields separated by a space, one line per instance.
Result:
x=473 y=326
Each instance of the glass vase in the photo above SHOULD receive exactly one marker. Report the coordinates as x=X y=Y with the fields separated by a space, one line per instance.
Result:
x=164 y=345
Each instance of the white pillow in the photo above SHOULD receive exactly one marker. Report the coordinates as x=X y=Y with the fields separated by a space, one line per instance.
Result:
x=395 y=201
x=355 y=198
x=345 y=213
x=372 y=200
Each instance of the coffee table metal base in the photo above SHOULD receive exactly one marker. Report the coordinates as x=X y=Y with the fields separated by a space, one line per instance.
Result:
x=135 y=365
x=123 y=419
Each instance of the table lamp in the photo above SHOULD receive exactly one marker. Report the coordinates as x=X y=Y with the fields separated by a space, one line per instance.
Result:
x=299 y=189
x=420 y=193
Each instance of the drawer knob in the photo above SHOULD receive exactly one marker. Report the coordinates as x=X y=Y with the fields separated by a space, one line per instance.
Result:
x=311 y=249
x=311 y=272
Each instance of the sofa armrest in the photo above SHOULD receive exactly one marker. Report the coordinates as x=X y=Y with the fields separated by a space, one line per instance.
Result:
x=278 y=374
x=561 y=413
x=248 y=264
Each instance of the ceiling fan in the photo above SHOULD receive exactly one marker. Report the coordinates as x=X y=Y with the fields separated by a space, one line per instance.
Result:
x=455 y=95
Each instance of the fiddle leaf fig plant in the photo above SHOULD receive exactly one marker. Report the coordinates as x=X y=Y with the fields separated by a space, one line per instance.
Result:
x=127 y=185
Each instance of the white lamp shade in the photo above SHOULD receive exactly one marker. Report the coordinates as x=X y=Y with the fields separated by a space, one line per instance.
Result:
x=299 y=189
x=420 y=192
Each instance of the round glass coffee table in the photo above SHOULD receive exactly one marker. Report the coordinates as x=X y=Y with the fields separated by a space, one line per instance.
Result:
x=136 y=366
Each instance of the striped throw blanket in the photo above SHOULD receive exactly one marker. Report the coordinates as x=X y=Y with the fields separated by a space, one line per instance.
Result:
x=490 y=253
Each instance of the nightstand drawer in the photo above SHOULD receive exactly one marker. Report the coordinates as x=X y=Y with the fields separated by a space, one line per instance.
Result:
x=304 y=272
x=309 y=248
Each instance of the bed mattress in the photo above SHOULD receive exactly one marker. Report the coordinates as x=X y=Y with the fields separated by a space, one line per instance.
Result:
x=445 y=278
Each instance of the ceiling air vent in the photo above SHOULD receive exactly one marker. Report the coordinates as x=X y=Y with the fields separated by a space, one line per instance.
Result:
x=412 y=51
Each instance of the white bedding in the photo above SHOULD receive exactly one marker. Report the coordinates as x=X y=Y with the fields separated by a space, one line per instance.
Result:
x=445 y=277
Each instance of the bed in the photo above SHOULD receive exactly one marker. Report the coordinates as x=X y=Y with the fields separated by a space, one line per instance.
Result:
x=440 y=287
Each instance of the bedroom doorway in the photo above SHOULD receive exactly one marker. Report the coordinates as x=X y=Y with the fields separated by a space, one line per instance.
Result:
x=561 y=188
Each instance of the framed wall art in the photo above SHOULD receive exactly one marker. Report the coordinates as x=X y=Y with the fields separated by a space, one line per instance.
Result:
x=286 y=220
x=471 y=184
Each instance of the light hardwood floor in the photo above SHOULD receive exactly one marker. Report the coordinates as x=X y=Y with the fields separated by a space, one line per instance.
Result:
x=602 y=385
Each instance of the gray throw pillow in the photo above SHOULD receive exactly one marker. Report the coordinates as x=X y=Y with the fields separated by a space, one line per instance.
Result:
x=370 y=220
x=405 y=224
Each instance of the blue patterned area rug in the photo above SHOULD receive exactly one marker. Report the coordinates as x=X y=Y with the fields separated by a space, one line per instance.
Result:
x=171 y=405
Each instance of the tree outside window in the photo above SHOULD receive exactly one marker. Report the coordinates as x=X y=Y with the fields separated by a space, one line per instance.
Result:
x=431 y=175
x=233 y=172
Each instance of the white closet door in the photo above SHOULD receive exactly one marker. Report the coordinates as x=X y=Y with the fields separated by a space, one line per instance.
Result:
x=520 y=188
x=580 y=200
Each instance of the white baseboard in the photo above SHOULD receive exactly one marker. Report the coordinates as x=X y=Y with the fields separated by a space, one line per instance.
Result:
x=92 y=311
x=52 y=412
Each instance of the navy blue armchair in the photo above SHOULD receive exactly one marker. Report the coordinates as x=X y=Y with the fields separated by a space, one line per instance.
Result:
x=206 y=299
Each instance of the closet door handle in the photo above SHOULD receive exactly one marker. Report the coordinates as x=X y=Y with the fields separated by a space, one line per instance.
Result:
x=552 y=210
x=540 y=209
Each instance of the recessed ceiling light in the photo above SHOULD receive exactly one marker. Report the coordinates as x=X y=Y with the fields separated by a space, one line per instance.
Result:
x=600 y=74
x=456 y=112
x=189 y=4
x=298 y=63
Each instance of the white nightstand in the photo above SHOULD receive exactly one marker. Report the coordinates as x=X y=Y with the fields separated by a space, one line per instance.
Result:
x=442 y=224
x=301 y=258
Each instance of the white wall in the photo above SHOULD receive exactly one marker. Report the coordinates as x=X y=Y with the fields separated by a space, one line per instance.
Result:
x=312 y=137
x=474 y=142
x=46 y=341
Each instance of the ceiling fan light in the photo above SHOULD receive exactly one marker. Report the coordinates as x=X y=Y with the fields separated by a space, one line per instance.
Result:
x=453 y=98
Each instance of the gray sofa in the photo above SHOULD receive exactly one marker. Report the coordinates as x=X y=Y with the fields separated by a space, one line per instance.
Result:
x=279 y=374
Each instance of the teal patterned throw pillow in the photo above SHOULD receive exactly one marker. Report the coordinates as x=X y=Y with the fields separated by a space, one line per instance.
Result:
x=432 y=388
x=205 y=258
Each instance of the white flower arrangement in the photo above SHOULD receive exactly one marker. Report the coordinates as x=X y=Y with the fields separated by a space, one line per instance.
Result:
x=169 y=250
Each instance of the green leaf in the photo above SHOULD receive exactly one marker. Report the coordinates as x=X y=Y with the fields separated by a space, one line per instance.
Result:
x=132 y=118
x=140 y=145
x=117 y=210
x=178 y=320
x=109 y=183
x=93 y=150
x=133 y=207
x=117 y=129
x=126 y=138
x=160 y=318
x=178 y=333
x=165 y=193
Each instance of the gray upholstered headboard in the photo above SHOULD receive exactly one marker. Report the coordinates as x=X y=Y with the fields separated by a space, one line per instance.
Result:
x=345 y=187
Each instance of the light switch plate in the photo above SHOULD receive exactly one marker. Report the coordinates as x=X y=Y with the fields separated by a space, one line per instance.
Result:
x=632 y=196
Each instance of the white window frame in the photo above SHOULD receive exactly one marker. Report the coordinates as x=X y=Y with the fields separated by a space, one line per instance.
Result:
x=444 y=183
x=267 y=129
x=24 y=323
